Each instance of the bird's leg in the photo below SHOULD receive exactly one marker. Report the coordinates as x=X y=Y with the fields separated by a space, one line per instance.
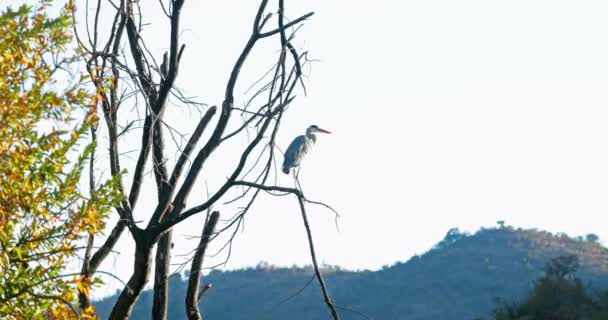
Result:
x=296 y=173
x=295 y=178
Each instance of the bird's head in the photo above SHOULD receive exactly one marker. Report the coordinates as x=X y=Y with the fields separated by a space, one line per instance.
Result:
x=314 y=129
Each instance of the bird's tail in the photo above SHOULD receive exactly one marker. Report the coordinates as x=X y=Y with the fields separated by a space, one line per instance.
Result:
x=285 y=169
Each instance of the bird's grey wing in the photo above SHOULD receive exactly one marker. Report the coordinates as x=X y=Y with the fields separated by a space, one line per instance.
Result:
x=295 y=151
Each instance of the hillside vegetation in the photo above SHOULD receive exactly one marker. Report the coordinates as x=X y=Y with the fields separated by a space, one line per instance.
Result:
x=462 y=277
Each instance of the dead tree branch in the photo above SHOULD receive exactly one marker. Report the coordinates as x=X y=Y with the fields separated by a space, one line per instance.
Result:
x=313 y=255
x=126 y=72
x=311 y=245
x=192 y=296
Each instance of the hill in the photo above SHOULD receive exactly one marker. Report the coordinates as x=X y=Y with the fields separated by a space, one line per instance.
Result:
x=460 y=278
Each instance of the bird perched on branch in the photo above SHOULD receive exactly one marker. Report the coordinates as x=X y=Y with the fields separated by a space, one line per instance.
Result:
x=299 y=147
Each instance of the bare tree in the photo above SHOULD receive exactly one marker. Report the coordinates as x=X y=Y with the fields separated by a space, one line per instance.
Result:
x=126 y=73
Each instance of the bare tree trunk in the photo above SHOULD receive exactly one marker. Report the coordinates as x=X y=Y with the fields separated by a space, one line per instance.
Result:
x=141 y=273
x=161 y=277
x=192 y=297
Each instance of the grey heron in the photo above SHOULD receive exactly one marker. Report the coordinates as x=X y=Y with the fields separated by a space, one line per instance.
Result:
x=299 y=147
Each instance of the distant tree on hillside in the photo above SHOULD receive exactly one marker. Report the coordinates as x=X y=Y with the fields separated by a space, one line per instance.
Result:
x=452 y=236
x=561 y=267
x=592 y=237
x=558 y=295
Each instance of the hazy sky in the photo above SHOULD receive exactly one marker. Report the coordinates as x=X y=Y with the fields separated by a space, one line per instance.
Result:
x=445 y=114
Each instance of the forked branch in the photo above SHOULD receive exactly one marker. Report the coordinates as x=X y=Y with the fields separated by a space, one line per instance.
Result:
x=313 y=255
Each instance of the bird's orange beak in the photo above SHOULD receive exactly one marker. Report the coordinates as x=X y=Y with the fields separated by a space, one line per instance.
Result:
x=324 y=131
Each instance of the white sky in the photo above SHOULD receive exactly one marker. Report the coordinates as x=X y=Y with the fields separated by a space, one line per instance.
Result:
x=445 y=114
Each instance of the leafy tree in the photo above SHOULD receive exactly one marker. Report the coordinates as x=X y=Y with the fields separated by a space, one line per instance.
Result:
x=451 y=237
x=43 y=212
x=561 y=267
x=558 y=295
x=592 y=237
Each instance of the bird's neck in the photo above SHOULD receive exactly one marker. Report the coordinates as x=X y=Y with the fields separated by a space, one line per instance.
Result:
x=311 y=136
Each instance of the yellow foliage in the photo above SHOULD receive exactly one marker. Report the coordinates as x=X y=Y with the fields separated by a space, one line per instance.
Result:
x=43 y=213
